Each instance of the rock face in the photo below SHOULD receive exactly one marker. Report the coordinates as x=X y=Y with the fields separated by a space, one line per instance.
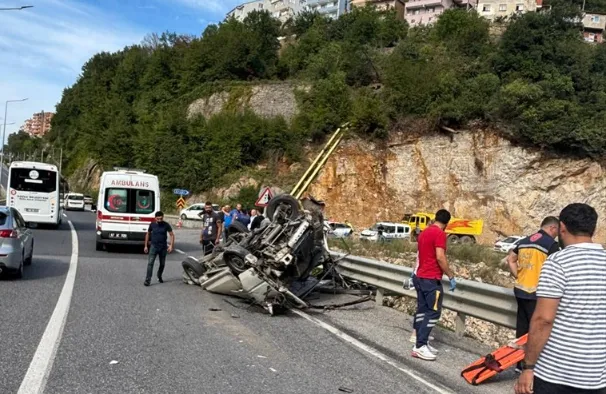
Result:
x=266 y=100
x=475 y=175
x=86 y=177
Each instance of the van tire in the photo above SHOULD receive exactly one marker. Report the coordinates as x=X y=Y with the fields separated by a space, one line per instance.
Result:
x=193 y=269
x=466 y=239
x=98 y=246
x=236 y=227
x=282 y=199
x=234 y=259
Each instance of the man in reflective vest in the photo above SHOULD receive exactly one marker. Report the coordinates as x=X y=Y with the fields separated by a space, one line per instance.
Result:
x=525 y=263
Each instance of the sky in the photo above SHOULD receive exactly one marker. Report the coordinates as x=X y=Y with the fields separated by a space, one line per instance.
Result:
x=43 y=49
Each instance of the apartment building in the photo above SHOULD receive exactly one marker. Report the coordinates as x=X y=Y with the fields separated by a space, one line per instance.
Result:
x=240 y=11
x=593 y=27
x=501 y=9
x=39 y=124
x=331 y=8
x=398 y=5
x=285 y=9
x=425 y=12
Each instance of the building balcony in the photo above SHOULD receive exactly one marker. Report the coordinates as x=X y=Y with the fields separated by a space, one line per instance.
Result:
x=414 y=4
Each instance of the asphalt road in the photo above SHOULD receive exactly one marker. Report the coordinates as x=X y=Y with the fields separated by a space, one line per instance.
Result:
x=122 y=337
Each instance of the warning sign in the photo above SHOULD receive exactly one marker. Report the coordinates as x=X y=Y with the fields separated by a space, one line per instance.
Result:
x=264 y=198
x=180 y=203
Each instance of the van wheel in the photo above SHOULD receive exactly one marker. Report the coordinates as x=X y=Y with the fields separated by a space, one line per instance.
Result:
x=453 y=239
x=193 y=269
x=99 y=246
x=285 y=204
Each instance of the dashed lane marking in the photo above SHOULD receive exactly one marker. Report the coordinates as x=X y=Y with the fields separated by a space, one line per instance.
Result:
x=39 y=369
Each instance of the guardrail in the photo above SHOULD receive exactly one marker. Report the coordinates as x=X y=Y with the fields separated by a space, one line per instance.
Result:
x=480 y=300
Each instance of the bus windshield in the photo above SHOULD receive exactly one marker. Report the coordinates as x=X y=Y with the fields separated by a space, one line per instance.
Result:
x=33 y=180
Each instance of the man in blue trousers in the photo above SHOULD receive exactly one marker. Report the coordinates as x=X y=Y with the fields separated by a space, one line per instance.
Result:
x=427 y=280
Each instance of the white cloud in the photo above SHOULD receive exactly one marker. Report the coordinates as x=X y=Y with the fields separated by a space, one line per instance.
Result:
x=42 y=50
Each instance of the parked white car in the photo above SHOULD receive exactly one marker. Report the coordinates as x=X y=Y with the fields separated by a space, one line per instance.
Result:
x=507 y=244
x=391 y=231
x=338 y=230
x=193 y=211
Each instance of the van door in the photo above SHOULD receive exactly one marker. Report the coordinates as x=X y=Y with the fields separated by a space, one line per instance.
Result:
x=142 y=204
x=115 y=212
x=401 y=231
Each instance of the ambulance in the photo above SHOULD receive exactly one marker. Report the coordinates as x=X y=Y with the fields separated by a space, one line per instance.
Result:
x=128 y=201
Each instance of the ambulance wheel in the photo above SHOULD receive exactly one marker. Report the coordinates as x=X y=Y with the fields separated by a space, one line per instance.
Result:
x=466 y=239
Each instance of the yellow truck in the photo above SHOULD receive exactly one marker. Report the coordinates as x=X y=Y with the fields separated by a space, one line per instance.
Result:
x=458 y=230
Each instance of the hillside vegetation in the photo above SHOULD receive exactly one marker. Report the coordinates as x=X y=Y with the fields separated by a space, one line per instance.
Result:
x=539 y=83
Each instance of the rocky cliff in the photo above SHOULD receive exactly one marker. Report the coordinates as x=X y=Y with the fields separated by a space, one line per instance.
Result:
x=473 y=174
x=266 y=100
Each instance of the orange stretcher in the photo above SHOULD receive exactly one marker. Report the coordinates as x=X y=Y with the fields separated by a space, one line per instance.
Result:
x=495 y=362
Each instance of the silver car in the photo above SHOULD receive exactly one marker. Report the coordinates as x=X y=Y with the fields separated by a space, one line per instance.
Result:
x=16 y=242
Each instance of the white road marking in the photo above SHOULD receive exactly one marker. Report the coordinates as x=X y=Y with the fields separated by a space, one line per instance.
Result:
x=37 y=374
x=179 y=251
x=64 y=215
x=370 y=350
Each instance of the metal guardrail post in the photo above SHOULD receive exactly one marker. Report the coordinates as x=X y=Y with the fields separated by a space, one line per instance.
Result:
x=379 y=297
x=460 y=324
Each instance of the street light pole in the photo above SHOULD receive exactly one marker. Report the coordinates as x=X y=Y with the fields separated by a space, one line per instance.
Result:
x=4 y=134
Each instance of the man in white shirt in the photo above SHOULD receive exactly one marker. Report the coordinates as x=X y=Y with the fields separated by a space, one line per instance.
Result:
x=566 y=349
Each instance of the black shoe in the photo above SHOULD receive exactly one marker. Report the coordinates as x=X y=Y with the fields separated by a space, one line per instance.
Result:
x=146 y=283
x=160 y=279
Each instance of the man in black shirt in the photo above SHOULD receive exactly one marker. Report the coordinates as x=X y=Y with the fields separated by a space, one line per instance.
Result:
x=212 y=226
x=157 y=234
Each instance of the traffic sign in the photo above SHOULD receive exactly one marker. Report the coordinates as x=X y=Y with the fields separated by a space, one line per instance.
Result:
x=181 y=192
x=180 y=203
x=264 y=198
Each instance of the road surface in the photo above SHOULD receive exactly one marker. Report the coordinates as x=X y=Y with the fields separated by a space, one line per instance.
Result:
x=121 y=337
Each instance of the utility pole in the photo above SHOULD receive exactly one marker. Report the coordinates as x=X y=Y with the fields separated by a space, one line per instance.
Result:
x=4 y=134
